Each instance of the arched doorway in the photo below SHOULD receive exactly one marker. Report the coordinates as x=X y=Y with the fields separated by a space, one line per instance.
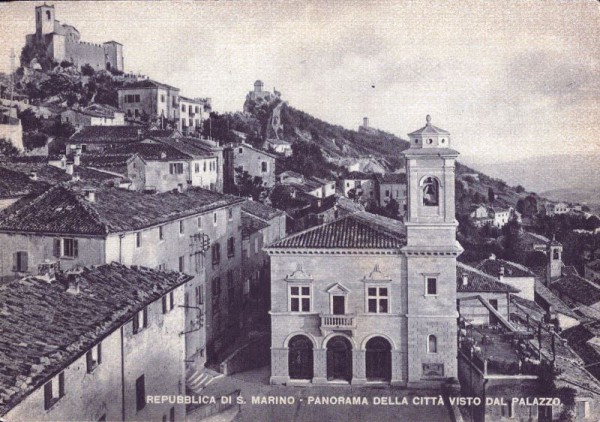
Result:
x=379 y=359
x=300 y=357
x=339 y=359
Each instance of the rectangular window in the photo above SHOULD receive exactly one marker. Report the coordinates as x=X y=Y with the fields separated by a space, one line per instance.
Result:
x=181 y=264
x=140 y=393
x=199 y=222
x=172 y=415
x=377 y=300
x=54 y=390
x=138 y=239
x=199 y=295
x=230 y=213
x=215 y=218
x=162 y=98
x=93 y=358
x=263 y=167
x=216 y=254
x=181 y=227
x=20 y=262
x=431 y=286
x=299 y=299
x=216 y=286
x=175 y=168
x=186 y=299
x=70 y=248
x=240 y=150
x=171 y=300
x=230 y=247
x=197 y=167
x=161 y=233
x=164 y=304
x=204 y=167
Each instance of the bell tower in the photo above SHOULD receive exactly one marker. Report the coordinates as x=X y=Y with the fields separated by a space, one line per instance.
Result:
x=431 y=251
x=44 y=20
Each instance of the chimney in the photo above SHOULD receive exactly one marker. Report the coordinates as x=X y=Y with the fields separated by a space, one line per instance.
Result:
x=69 y=168
x=90 y=194
x=74 y=281
x=366 y=122
x=501 y=272
x=465 y=280
x=492 y=256
x=33 y=175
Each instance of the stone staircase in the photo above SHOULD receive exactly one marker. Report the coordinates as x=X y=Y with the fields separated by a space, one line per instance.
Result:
x=196 y=380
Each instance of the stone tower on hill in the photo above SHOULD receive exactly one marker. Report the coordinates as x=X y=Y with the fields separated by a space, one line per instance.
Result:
x=62 y=42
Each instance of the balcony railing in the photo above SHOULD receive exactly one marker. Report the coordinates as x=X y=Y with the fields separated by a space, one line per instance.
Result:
x=337 y=321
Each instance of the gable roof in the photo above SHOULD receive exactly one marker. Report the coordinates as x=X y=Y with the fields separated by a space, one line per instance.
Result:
x=40 y=338
x=107 y=134
x=14 y=184
x=479 y=281
x=260 y=210
x=251 y=224
x=151 y=152
x=511 y=269
x=361 y=230
x=391 y=178
x=551 y=299
x=193 y=147
x=577 y=288
x=260 y=151
x=64 y=210
x=147 y=84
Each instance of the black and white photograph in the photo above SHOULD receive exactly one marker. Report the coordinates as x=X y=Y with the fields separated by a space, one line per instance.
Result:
x=303 y=211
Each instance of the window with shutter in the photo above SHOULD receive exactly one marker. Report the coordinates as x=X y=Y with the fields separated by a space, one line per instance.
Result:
x=57 y=248
x=48 y=395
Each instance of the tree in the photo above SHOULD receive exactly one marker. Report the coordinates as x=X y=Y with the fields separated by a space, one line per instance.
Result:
x=7 y=149
x=491 y=195
x=34 y=140
x=392 y=208
x=29 y=121
x=248 y=186
x=61 y=129
x=520 y=189
x=65 y=63
x=528 y=206
x=87 y=70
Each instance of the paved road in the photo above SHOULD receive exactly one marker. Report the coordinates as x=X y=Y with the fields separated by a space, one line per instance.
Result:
x=301 y=409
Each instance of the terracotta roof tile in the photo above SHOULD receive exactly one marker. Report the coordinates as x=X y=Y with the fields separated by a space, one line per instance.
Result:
x=64 y=210
x=44 y=328
x=478 y=281
x=577 y=288
x=260 y=210
x=361 y=230
x=511 y=269
x=251 y=224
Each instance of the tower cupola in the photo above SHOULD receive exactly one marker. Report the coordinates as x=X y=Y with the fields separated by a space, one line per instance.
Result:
x=429 y=136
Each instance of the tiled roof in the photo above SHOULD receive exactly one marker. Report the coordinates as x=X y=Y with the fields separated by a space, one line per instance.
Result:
x=389 y=178
x=251 y=224
x=594 y=265
x=191 y=146
x=511 y=269
x=260 y=210
x=429 y=129
x=107 y=134
x=147 y=83
x=14 y=184
x=44 y=172
x=578 y=338
x=359 y=175
x=478 y=281
x=534 y=238
x=110 y=161
x=577 y=288
x=64 y=210
x=361 y=230
x=552 y=300
x=151 y=152
x=44 y=328
x=260 y=151
x=528 y=304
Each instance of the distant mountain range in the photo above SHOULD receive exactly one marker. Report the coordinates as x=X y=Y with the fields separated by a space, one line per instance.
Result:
x=573 y=178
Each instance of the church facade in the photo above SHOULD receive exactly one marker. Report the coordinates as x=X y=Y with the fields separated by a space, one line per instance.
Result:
x=370 y=300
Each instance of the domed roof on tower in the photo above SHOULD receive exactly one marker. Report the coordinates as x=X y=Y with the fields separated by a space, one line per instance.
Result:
x=429 y=136
x=258 y=83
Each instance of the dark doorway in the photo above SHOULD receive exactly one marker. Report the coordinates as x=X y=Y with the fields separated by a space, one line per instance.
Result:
x=300 y=358
x=339 y=359
x=107 y=65
x=379 y=360
x=339 y=307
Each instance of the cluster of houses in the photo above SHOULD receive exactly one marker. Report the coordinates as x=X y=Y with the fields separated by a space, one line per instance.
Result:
x=160 y=272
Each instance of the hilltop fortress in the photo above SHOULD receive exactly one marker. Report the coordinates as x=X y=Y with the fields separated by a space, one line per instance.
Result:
x=62 y=42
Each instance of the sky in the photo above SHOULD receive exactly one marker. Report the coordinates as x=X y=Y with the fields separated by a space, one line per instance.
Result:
x=508 y=80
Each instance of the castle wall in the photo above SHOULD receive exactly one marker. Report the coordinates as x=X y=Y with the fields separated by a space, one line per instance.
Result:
x=81 y=53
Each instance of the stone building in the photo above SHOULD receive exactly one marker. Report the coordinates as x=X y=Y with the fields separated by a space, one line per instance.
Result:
x=362 y=184
x=93 y=115
x=391 y=186
x=256 y=162
x=148 y=99
x=62 y=42
x=92 y=344
x=193 y=111
x=511 y=273
x=369 y=299
x=197 y=232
